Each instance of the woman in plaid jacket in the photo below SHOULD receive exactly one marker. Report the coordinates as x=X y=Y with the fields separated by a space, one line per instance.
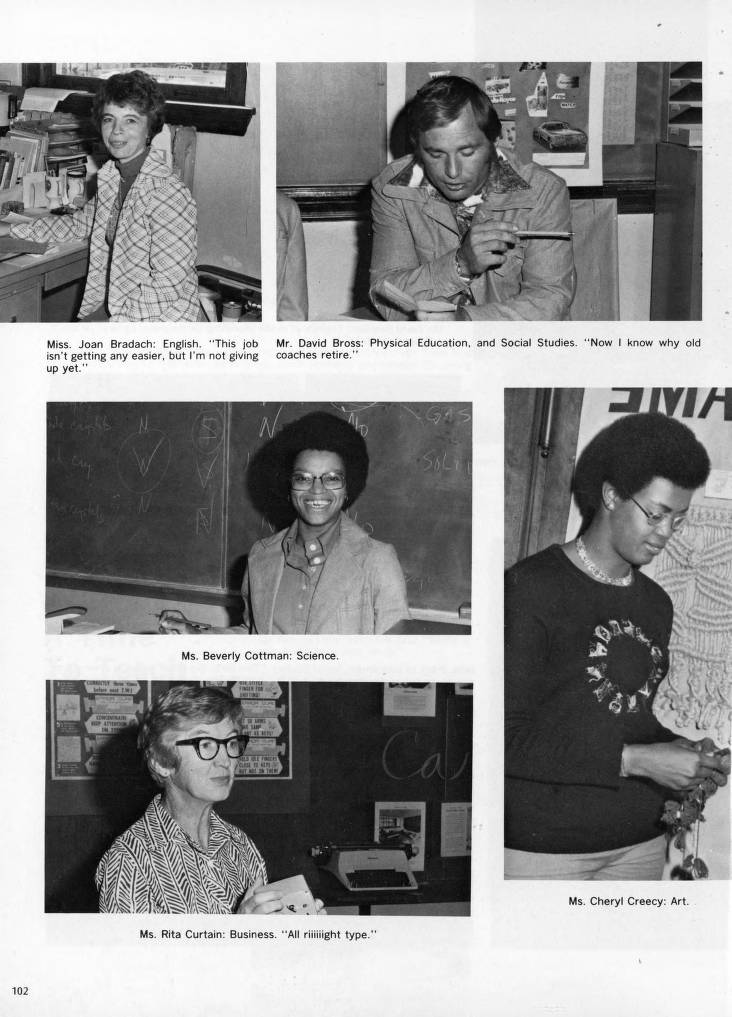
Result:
x=142 y=224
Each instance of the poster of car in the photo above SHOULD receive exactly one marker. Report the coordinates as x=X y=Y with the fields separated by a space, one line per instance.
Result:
x=545 y=110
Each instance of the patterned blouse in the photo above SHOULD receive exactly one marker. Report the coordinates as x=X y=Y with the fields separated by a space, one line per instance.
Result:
x=154 y=867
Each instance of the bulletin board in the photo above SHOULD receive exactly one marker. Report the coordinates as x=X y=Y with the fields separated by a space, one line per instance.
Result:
x=532 y=99
x=92 y=746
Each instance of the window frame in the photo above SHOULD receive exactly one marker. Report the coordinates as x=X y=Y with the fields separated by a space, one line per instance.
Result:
x=209 y=109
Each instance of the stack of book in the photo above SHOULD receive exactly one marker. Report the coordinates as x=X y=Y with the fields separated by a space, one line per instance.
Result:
x=53 y=144
x=18 y=156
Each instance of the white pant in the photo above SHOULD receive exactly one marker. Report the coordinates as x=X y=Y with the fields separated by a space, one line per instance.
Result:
x=639 y=862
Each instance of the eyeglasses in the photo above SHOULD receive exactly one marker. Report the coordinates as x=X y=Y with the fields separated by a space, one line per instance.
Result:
x=207 y=748
x=656 y=519
x=333 y=480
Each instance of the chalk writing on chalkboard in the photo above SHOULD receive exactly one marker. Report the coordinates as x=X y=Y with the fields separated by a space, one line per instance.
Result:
x=432 y=766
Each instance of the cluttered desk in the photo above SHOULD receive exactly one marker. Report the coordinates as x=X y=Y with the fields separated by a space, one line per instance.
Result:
x=43 y=171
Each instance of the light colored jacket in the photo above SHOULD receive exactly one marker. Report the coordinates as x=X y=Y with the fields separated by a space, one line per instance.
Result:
x=416 y=237
x=152 y=265
x=292 y=277
x=361 y=589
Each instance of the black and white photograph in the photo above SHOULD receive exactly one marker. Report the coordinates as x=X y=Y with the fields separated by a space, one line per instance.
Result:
x=490 y=191
x=129 y=192
x=618 y=658
x=202 y=798
x=259 y=518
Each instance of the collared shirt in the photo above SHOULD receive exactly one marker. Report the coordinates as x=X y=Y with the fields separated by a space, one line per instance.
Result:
x=502 y=179
x=304 y=561
x=128 y=174
x=154 y=867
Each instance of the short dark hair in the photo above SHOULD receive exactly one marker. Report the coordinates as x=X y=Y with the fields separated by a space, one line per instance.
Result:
x=136 y=89
x=443 y=99
x=324 y=432
x=170 y=711
x=633 y=450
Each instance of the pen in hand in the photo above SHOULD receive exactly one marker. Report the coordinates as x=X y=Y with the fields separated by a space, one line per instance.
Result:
x=544 y=234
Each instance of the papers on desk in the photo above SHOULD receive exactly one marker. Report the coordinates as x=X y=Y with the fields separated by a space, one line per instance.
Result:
x=44 y=100
x=11 y=248
x=27 y=215
x=69 y=621
x=85 y=628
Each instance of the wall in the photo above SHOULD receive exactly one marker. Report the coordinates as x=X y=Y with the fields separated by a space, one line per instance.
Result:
x=11 y=72
x=635 y=248
x=226 y=188
x=332 y=256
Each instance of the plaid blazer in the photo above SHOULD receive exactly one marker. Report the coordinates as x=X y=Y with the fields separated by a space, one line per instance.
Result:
x=150 y=272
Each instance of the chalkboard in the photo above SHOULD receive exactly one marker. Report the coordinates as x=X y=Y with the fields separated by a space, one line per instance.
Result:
x=137 y=491
x=159 y=494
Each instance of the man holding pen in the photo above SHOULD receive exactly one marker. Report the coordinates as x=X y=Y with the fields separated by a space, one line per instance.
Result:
x=460 y=231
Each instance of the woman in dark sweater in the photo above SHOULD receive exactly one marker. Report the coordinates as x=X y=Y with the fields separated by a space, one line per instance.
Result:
x=588 y=765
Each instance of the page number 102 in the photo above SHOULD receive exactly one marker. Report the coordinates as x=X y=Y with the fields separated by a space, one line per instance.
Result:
x=19 y=990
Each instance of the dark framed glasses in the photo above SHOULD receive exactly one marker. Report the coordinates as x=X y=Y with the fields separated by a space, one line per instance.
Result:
x=333 y=480
x=207 y=748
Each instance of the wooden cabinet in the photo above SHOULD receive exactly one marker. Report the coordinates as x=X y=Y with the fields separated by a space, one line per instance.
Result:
x=21 y=302
x=43 y=289
x=676 y=277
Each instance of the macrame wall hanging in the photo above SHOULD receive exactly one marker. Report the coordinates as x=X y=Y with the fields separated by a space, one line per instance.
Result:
x=696 y=696
x=696 y=572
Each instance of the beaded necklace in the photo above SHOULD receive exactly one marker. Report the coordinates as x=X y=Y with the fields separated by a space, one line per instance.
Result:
x=596 y=571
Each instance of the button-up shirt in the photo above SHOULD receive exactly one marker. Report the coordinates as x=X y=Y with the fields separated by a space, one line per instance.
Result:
x=304 y=560
x=154 y=867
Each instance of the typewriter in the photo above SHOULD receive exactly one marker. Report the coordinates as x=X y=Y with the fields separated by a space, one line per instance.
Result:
x=367 y=867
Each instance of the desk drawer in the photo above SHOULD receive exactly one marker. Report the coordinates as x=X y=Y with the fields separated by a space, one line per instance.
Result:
x=21 y=304
x=65 y=274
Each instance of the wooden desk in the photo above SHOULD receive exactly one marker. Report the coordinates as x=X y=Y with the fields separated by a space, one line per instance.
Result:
x=44 y=288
